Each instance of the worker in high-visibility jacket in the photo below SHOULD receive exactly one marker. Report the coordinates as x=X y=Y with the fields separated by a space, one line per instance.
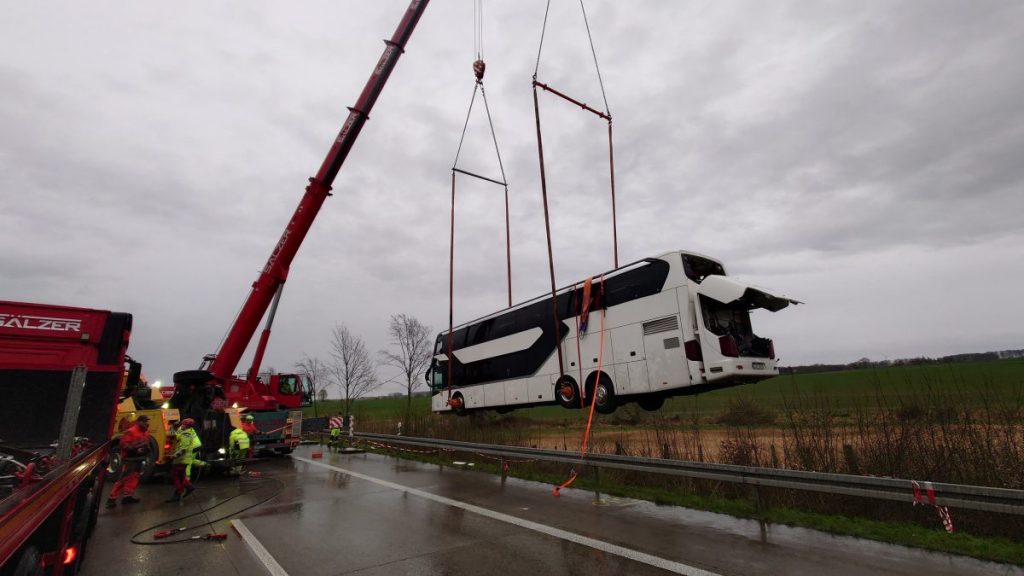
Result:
x=249 y=426
x=335 y=440
x=184 y=451
x=238 y=449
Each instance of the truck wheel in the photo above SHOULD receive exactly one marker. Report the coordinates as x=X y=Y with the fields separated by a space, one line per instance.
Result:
x=114 y=467
x=83 y=513
x=30 y=563
x=149 y=462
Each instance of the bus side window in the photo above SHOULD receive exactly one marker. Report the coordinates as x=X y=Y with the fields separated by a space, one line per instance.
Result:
x=505 y=325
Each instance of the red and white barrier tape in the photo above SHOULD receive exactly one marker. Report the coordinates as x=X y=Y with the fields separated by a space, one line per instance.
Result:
x=929 y=493
x=390 y=447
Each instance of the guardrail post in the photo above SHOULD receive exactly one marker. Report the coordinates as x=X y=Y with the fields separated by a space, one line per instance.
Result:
x=852 y=463
x=761 y=508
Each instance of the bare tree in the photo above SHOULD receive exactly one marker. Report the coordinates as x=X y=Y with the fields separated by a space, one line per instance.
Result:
x=315 y=371
x=412 y=350
x=351 y=368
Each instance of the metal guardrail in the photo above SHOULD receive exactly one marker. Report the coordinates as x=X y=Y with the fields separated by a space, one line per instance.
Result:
x=984 y=498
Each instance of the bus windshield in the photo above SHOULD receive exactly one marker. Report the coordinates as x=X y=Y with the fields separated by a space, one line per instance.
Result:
x=697 y=268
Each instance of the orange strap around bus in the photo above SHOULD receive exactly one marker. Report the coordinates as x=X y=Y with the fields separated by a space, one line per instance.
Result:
x=593 y=401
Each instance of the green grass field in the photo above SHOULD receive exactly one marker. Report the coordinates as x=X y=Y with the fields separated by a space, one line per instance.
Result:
x=971 y=384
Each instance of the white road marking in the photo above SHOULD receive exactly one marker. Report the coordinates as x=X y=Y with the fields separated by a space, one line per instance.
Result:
x=268 y=561
x=637 y=556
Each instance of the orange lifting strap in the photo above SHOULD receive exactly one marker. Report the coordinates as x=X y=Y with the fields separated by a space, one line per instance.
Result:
x=583 y=306
x=479 y=67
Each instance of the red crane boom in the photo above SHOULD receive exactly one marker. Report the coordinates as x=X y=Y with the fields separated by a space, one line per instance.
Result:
x=271 y=280
x=275 y=272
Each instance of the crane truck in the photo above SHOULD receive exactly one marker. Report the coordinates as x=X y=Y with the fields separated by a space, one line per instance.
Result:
x=211 y=395
x=61 y=370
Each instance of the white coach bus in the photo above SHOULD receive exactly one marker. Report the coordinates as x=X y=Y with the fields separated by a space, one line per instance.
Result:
x=674 y=325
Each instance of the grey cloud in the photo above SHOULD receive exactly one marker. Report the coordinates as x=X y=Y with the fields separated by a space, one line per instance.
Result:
x=790 y=139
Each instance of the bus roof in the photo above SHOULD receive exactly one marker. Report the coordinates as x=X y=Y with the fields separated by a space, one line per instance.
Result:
x=566 y=288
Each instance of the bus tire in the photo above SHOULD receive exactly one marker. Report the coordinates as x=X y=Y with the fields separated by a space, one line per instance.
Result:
x=651 y=403
x=29 y=564
x=567 y=393
x=606 y=403
x=460 y=407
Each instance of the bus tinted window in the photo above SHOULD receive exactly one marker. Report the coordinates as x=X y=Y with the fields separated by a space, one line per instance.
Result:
x=697 y=268
x=646 y=280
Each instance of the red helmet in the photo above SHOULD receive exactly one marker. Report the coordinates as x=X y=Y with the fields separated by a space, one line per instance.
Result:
x=188 y=423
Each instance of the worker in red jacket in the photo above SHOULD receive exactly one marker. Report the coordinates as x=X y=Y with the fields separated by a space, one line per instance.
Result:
x=134 y=449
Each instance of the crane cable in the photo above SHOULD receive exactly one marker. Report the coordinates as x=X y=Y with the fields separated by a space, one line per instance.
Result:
x=478 y=29
x=606 y=115
x=479 y=68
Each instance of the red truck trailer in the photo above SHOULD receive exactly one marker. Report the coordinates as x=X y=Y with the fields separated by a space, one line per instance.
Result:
x=60 y=373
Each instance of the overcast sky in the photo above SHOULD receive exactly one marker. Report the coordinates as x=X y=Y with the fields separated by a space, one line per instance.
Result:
x=864 y=157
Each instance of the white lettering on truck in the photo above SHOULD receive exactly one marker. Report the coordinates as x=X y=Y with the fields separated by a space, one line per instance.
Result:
x=40 y=323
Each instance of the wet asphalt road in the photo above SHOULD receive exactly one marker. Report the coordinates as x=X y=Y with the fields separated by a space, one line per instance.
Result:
x=367 y=514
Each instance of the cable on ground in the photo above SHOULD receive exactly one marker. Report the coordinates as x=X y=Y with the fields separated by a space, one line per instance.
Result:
x=162 y=539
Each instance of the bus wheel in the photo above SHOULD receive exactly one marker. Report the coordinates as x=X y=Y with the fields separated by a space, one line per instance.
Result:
x=651 y=403
x=567 y=393
x=605 y=402
x=458 y=404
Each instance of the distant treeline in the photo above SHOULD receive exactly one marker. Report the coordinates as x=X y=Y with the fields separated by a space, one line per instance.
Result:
x=869 y=363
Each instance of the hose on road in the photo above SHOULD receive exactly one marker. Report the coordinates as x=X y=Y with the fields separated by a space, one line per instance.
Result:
x=259 y=481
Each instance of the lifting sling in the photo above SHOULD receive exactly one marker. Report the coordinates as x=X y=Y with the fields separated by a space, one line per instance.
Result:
x=479 y=67
x=585 y=304
x=606 y=115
